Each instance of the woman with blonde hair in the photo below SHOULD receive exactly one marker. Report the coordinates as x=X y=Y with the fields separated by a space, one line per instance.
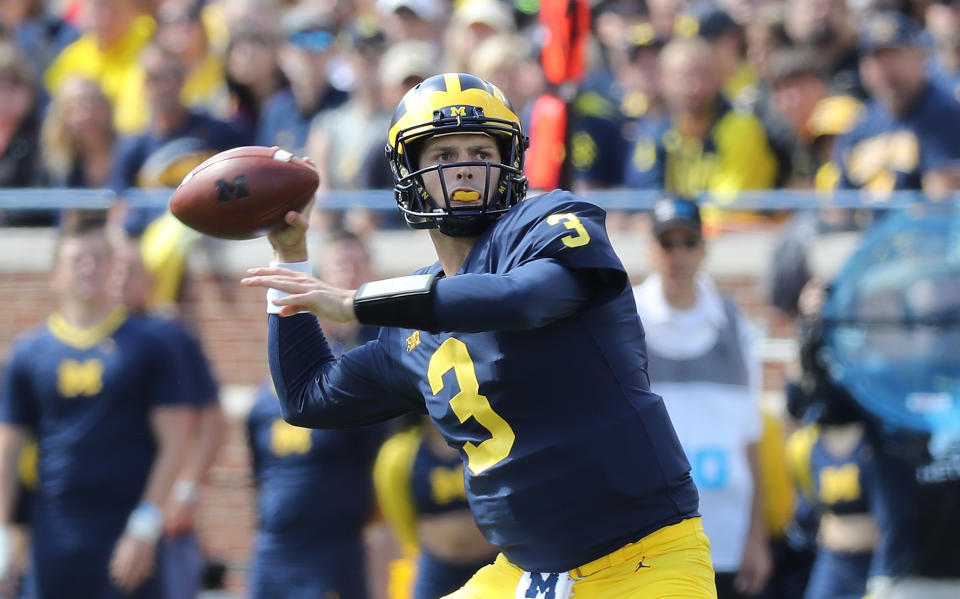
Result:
x=78 y=136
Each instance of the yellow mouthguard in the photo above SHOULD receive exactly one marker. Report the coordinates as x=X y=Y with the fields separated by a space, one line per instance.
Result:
x=465 y=196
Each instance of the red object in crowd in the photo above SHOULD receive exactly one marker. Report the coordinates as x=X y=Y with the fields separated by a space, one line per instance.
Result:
x=548 y=132
x=72 y=12
x=567 y=28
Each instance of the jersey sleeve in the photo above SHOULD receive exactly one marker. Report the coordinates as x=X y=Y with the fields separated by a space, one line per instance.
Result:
x=164 y=384
x=528 y=297
x=572 y=232
x=199 y=383
x=316 y=390
x=17 y=403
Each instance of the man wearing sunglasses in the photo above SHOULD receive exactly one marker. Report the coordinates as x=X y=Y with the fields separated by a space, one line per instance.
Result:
x=702 y=363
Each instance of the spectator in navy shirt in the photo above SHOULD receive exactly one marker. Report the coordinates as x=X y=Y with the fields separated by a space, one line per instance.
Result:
x=909 y=134
x=177 y=140
x=304 y=56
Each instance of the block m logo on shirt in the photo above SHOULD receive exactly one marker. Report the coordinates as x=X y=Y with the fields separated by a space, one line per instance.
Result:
x=545 y=585
x=80 y=378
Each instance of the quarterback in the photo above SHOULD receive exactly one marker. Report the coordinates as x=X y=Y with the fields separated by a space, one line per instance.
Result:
x=523 y=345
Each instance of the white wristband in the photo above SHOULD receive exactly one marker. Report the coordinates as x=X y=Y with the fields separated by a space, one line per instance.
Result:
x=273 y=294
x=184 y=491
x=6 y=550
x=145 y=522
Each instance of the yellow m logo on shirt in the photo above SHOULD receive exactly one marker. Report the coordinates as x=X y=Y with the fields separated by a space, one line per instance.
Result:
x=286 y=439
x=446 y=485
x=840 y=483
x=80 y=378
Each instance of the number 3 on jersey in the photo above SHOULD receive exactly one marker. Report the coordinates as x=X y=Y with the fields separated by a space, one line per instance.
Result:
x=571 y=221
x=468 y=403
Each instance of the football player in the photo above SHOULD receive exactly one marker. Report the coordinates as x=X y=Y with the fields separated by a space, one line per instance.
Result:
x=524 y=346
x=419 y=483
x=100 y=394
x=314 y=497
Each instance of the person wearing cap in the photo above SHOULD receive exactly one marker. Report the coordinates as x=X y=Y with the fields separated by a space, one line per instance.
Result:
x=703 y=144
x=727 y=39
x=340 y=138
x=304 y=57
x=908 y=136
x=703 y=362
x=402 y=20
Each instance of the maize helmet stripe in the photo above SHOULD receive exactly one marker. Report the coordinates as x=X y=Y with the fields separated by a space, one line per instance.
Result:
x=451 y=94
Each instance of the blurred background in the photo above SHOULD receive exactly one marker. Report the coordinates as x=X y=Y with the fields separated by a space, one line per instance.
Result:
x=797 y=125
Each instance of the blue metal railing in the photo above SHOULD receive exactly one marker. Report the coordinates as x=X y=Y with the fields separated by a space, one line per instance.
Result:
x=382 y=199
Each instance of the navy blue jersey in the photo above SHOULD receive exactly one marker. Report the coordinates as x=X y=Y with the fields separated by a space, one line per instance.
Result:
x=315 y=486
x=197 y=382
x=885 y=152
x=567 y=453
x=86 y=395
x=832 y=483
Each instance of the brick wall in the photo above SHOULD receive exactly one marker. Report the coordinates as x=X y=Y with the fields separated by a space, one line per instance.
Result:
x=231 y=322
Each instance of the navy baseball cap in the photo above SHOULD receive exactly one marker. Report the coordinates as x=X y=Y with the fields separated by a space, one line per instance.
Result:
x=676 y=213
x=712 y=21
x=890 y=29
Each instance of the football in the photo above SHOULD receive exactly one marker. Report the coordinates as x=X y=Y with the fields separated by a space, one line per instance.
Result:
x=244 y=192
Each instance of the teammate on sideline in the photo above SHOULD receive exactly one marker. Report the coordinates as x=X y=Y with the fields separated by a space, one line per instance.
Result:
x=99 y=391
x=524 y=346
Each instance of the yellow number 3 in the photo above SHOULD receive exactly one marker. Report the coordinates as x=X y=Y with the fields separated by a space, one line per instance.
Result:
x=571 y=221
x=468 y=403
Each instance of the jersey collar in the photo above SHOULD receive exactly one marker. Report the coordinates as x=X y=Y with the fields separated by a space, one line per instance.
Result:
x=85 y=338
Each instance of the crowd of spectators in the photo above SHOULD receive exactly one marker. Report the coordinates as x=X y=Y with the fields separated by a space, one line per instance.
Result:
x=682 y=95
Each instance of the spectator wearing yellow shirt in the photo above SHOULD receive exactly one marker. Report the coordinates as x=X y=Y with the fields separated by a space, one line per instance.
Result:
x=109 y=52
x=703 y=144
x=181 y=29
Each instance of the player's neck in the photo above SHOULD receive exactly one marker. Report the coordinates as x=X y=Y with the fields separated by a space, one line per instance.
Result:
x=84 y=314
x=452 y=251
